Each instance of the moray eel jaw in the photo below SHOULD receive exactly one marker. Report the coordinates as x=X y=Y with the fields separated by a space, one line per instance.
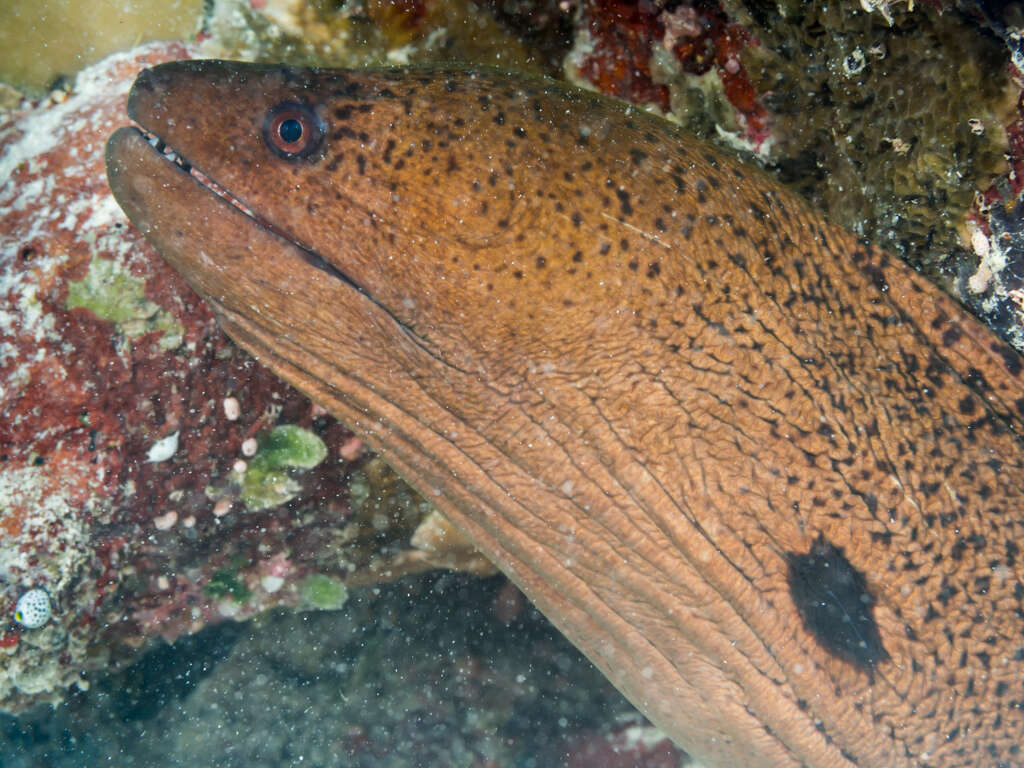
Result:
x=764 y=477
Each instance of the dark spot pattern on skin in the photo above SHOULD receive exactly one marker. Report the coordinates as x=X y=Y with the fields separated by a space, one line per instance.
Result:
x=334 y=162
x=624 y=204
x=351 y=90
x=836 y=606
x=877 y=277
x=702 y=191
x=1011 y=358
x=951 y=336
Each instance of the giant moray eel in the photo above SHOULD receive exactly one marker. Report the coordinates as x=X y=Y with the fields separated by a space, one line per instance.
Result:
x=767 y=478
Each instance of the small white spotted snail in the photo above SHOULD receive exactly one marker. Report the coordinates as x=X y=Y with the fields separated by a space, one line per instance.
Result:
x=33 y=609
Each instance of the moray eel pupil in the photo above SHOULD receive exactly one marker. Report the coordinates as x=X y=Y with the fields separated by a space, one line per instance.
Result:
x=290 y=131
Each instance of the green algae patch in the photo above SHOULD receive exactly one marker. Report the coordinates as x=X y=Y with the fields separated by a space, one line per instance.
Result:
x=323 y=592
x=115 y=295
x=225 y=583
x=267 y=481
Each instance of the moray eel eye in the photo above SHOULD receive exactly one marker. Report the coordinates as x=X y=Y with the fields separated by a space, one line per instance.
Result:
x=293 y=131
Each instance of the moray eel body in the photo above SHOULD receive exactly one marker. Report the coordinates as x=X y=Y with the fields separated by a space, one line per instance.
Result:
x=763 y=475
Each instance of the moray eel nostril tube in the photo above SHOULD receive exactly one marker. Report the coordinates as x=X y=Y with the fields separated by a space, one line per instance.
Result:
x=766 y=477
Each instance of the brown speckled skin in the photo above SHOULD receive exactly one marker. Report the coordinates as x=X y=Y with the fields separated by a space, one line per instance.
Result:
x=639 y=375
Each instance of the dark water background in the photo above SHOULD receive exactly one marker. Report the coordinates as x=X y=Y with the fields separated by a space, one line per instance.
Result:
x=419 y=673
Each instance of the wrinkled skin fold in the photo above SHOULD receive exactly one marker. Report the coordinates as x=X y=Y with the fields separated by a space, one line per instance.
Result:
x=763 y=475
